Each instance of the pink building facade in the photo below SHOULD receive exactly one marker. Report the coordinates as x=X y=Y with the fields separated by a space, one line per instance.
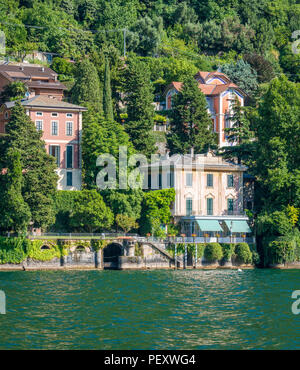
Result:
x=220 y=93
x=61 y=124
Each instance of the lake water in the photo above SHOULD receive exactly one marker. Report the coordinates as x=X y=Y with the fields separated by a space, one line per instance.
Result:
x=212 y=309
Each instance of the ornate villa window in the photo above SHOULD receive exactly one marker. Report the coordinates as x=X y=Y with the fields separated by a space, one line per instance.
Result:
x=69 y=179
x=230 y=183
x=189 y=179
x=210 y=180
x=69 y=128
x=210 y=206
x=54 y=128
x=189 y=206
x=230 y=203
x=69 y=156
x=54 y=150
x=39 y=125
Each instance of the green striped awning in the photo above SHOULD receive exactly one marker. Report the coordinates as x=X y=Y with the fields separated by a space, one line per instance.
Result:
x=240 y=226
x=209 y=225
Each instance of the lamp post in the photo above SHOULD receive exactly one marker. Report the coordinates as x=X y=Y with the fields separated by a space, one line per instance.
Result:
x=185 y=251
x=196 y=251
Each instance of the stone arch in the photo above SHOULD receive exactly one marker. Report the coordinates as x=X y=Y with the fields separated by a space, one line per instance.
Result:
x=111 y=254
x=45 y=247
x=81 y=248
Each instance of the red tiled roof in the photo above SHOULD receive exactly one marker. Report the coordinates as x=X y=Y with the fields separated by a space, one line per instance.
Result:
x=41 y=101
x=208 y=89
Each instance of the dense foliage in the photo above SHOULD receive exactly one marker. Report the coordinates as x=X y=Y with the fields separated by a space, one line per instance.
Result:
x=213 y=252
x=164 y=41
x=31 y=177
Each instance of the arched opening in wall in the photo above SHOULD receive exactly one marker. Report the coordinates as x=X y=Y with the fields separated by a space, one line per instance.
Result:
x=45 y=247
x=111 y=255
x=80 y=248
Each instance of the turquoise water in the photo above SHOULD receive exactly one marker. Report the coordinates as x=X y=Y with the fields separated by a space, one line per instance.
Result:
x=213 y=309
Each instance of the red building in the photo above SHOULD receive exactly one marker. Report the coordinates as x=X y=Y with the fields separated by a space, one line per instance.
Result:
x=61 y=123
x=220 y=92
x=38 y=79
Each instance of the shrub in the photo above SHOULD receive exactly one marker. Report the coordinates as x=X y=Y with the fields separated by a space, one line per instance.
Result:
x=243 y=253
x=228 y=250
x=12 y=250
x=200 y=249
x=281 y=250
x=213 y=252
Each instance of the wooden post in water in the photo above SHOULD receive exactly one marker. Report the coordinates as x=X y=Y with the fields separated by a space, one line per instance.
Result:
x=175 y=256
x=185 y=251
x=194 y=236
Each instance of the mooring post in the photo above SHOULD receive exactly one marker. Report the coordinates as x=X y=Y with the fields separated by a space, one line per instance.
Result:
x=194 y=239
x=175 y=255
x=185 y=251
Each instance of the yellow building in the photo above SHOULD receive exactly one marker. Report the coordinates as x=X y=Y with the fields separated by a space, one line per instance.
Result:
x=209 y=195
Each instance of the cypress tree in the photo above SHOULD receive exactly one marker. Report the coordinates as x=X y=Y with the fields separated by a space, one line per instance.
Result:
x=191 y=125
x=239 y=133
x=107 y=99
x=140 y=108
x=87 y=86
x=15 y=213
x=39 y=177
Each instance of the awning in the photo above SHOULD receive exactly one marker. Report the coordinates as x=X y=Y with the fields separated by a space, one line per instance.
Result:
x=238 y=226
x=209 y=225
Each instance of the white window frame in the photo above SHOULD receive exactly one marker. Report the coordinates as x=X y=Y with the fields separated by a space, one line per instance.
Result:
x=6 y=115
x=69 y=115
x=52 y=128
x=39 y=120
x=67 y=128
x=39 y=114
x=54 y=114
x=189 y=176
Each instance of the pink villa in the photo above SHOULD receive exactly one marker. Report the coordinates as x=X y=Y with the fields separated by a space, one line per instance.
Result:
x=220 y=91
x=61 y=123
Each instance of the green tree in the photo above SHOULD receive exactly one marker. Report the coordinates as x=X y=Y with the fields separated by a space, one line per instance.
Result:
x=99 y=137
x=107 y=99
x=242 y=74
x=191 y=125
x=125 y=222
x=140 y=108
x=15 y=213
x=277 y=150
x=87 y=86
x=239 y=134
x=90 y=212
x=156 y=210
x=14 y=91
x=39 y=177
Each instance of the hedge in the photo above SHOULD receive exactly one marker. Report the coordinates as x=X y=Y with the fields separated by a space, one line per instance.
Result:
x=13 y=250
x=228 y=250
x=213 y=252
x=243 y=253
